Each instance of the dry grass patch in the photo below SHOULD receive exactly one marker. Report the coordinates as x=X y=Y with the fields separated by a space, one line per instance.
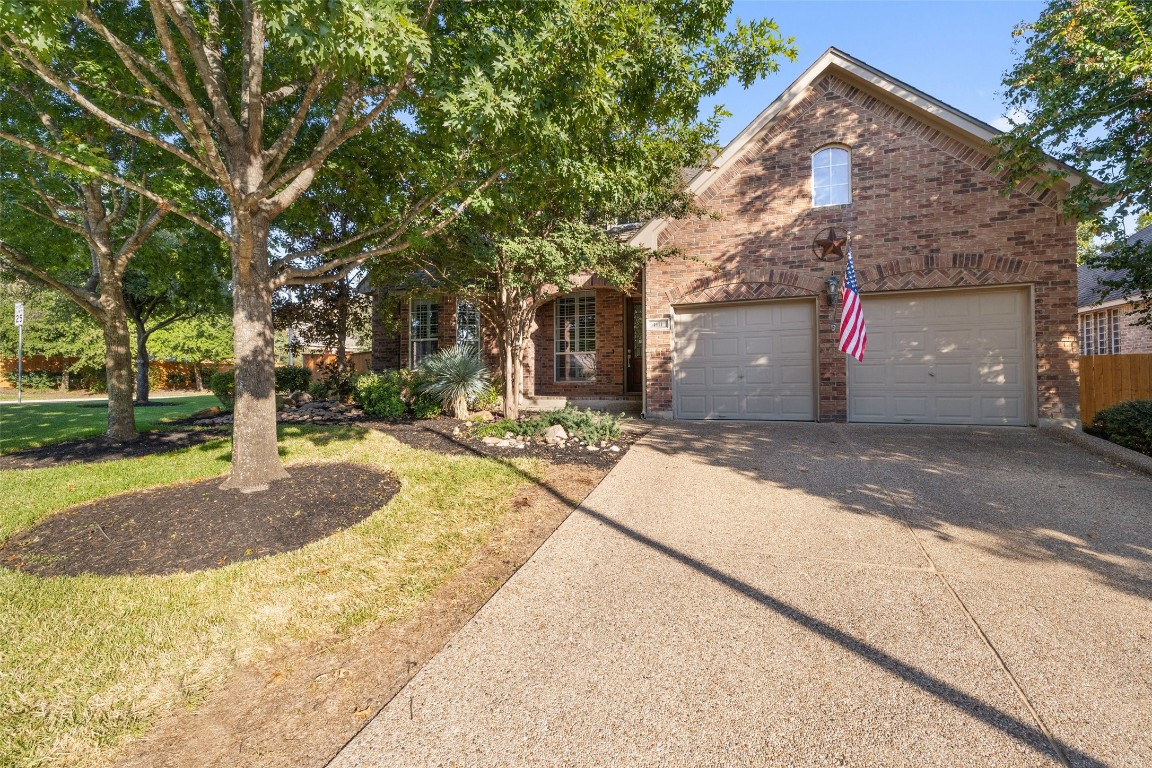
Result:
x=86 y=662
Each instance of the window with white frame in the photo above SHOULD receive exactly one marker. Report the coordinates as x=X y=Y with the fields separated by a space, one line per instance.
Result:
x=425 y=317
x=1100 y=332
x=576 y=337
x=467 y=327
x=831 y=177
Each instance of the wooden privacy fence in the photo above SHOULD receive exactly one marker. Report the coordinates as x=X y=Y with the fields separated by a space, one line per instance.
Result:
x=1109 y=379
x=361 y=362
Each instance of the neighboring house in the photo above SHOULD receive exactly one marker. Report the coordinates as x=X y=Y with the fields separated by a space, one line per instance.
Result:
x=1107 y=323
x=968 y=294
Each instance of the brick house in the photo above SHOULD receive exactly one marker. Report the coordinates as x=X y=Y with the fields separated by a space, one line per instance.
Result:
x=969 y=295
x=1107 y=323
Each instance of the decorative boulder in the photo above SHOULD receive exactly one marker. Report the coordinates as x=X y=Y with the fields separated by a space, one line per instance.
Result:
x=301 y=397
x=555 y=435
x=482 y=416
x=206 y=413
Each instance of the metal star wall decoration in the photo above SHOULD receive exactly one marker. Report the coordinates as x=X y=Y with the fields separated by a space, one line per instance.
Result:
x=829 y=245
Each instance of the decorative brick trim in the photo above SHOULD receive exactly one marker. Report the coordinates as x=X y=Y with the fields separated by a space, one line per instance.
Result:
x=751 y=284
x=943 y=278
x=936 y=270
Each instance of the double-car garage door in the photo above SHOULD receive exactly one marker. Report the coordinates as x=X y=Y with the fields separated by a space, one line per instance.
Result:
x=934 y=357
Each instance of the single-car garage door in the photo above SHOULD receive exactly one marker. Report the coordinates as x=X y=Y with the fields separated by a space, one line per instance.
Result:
x=746 y=361
x=952 y=357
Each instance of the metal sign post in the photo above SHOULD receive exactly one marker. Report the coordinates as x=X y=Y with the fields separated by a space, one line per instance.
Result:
x=19 y=351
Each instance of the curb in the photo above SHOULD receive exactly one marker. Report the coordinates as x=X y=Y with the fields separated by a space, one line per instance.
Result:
x=1115 y=453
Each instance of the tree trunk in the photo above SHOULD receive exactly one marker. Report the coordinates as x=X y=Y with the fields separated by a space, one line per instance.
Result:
x=117 y=365
x=64 y=379
x=460 y=408
x=255 y=460
x=511 y=402
x=198 y=377
x=142 y=361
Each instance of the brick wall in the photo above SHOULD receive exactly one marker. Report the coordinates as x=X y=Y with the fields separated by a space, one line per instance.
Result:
x=386 y=344
x=926 y=212
x=1134 y=339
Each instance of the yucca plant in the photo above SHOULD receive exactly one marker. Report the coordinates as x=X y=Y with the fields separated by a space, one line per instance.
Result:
x=453 y=376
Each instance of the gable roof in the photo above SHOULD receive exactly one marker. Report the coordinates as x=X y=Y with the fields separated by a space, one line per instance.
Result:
x=1090 y=288
x=858 y=73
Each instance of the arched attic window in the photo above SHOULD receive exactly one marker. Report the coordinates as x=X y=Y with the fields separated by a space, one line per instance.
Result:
x=831 y=176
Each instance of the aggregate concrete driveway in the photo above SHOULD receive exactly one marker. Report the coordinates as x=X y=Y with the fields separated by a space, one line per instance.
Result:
x=810 y=594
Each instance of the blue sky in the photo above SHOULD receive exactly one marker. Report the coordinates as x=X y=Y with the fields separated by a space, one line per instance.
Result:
x=954 y=50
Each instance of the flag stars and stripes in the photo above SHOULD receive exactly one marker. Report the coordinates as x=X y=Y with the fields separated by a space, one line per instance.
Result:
x=853 y=333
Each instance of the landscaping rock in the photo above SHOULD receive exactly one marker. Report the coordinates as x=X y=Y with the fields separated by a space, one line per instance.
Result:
x=482 y=416
x=555 y=435
x=206 y=413
x=615 y=449
x=301 y=397
x=490 y=440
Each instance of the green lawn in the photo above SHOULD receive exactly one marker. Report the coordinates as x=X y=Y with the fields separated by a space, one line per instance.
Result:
x=30 y=425
x=91 y=661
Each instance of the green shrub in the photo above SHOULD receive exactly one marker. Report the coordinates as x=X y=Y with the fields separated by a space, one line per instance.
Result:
x=382 y=394
x=36 y=379
x=489 y=398
x=452 y=377
x=318 y=390
x=1128 y=424
x=223 y=385
x=589 y=426
x=421 y=403
x=292 y=379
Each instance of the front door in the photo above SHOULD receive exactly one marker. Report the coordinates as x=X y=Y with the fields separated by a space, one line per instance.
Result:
x=634 y=352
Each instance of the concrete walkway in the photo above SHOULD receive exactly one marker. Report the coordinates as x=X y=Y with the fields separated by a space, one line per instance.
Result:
x=808 y=594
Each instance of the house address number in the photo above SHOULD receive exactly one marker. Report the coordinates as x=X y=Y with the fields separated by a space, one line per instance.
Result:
x=659 y=324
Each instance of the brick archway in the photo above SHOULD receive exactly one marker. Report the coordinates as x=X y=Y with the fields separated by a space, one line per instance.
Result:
x=752 y=285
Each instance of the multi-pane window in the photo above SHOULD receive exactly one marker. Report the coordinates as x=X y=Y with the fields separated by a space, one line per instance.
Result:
x=576 y=337
x=467 y=327
x=831 y=177
x=1100 y=332
x=425 y=315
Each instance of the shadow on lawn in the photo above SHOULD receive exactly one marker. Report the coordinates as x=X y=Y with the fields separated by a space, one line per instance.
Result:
x=769 y=453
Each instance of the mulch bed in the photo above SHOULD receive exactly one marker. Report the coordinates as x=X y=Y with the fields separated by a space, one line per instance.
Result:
x=436 y=435
x=102 y=449
x=197 y=526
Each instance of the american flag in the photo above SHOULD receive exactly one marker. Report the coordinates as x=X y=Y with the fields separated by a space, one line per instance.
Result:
x=853 y=334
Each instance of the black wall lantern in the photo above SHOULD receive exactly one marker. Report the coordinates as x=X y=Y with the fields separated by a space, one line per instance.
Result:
x=833 y=286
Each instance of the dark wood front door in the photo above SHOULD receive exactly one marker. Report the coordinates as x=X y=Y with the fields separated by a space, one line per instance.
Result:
x=634 y=352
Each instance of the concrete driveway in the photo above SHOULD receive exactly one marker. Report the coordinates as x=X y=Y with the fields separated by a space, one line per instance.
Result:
x=811 y=594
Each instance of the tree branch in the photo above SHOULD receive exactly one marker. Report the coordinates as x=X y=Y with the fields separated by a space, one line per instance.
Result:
x=297 y=276
x=191 y=217
x=87 y=300
x=196 y=112
x=208 y=65
x=29 y=62
x=134 y=63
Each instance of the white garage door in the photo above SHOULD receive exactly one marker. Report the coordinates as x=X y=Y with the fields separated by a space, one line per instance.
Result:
x=746 y=361
x=955 y=357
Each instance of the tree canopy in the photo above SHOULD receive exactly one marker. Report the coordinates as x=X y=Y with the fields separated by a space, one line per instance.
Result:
x=1083 y=83
x=250 y=101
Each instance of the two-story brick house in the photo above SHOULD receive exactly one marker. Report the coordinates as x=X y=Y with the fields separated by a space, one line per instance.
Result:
x=969 y=295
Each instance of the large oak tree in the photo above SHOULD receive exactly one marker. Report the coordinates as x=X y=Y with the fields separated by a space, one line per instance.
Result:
x=255 y=97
